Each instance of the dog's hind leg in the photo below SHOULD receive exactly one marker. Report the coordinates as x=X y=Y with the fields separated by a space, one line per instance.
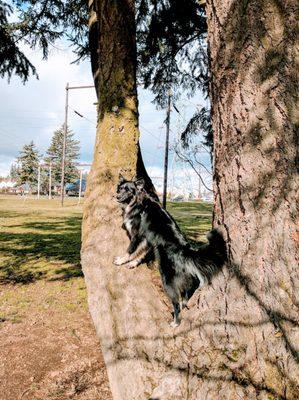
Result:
x=176 y=315
x=185 y=299
x=187 y=291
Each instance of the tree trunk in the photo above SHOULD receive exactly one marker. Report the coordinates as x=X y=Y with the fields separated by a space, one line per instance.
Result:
x=114 y=300
x=238 y=338
x=253 y=94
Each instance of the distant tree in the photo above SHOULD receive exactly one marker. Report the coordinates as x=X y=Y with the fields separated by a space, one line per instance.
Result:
x=27 y=169
x=54 y=155
x=44 y=179
x=14 y=172
x=191 y=156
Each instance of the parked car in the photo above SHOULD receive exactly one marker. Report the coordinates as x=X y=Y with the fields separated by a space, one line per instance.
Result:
x=72 y=189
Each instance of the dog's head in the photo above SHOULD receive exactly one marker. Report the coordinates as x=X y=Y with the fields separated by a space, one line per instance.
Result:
x=128 y=190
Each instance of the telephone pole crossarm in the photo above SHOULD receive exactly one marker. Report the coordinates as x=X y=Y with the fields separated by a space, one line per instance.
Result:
x=68 y=87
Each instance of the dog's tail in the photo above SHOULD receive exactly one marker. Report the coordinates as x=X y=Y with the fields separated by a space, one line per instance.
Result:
x=217 y=242
x=213 y=256
x=208 y=260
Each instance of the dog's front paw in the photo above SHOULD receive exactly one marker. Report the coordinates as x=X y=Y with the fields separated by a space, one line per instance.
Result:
x=118 y=261
x=131 y=265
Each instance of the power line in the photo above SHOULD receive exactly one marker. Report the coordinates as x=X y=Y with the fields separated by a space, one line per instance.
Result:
x=82 y=116
x=10 y=134
x=146 y=130
x=153 y=156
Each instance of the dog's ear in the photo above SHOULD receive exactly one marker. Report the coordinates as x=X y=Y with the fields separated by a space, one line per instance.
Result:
x=140 y=183
x=121 y=179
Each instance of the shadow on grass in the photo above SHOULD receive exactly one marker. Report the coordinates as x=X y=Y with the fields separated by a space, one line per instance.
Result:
x=50 y=250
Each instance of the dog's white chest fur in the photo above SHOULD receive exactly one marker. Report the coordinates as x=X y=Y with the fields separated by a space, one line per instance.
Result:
x=128 y=225
x=128 y=221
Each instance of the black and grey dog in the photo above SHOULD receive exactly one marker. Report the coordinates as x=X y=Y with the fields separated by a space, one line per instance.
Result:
x=182 y=268
x=139 y=250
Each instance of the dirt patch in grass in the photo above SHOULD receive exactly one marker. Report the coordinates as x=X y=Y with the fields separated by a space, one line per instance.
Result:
x=49 y=348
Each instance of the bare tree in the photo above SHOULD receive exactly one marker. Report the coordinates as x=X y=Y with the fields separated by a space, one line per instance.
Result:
x=190 y=156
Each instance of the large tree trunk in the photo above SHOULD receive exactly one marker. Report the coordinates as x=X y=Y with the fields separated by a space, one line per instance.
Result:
x=120 y=315
x=238 y=339
x=253 y=93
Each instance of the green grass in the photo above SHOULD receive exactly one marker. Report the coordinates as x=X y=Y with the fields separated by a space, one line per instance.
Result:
x=193 y=218
x=41 y=240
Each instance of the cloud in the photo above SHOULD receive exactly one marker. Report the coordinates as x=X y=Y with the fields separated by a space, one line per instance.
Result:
x=33 y=111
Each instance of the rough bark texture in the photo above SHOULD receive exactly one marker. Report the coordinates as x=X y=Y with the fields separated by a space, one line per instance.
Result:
x=238 y=338
x=255 y=118
x=114 y=300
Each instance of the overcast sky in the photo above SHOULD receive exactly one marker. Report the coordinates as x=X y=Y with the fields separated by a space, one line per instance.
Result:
x=33 y=111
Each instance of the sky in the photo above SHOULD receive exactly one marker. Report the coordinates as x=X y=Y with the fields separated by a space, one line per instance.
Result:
x=34 y=110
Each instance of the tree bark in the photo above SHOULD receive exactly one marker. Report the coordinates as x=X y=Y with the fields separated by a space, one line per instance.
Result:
x=254 y=98
x=238 y=338
x=114 y=293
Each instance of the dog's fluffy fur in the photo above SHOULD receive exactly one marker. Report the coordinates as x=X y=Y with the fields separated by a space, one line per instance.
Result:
x=139 y=250
x=151 y=228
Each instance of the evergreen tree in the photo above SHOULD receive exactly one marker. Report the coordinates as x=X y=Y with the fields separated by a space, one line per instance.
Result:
x=171 y=44
x=12 y=59
x=14 y=173
x=27 y=169
x=54 y=155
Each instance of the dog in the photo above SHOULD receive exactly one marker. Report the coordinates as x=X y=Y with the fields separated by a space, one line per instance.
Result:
x=139 y=250
x=182 y=268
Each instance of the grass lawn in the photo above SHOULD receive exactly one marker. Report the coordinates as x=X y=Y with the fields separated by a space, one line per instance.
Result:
x=193 y=218
x=48 y=346
x=39 y=240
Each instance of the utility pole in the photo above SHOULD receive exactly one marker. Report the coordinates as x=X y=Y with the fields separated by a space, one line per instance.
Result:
x=50 y=180
x=81 y=178
x=68 y=87
x=64 y=143
x=166 y=150
x=80 y=185
x=38 y=182
x=199 y=189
